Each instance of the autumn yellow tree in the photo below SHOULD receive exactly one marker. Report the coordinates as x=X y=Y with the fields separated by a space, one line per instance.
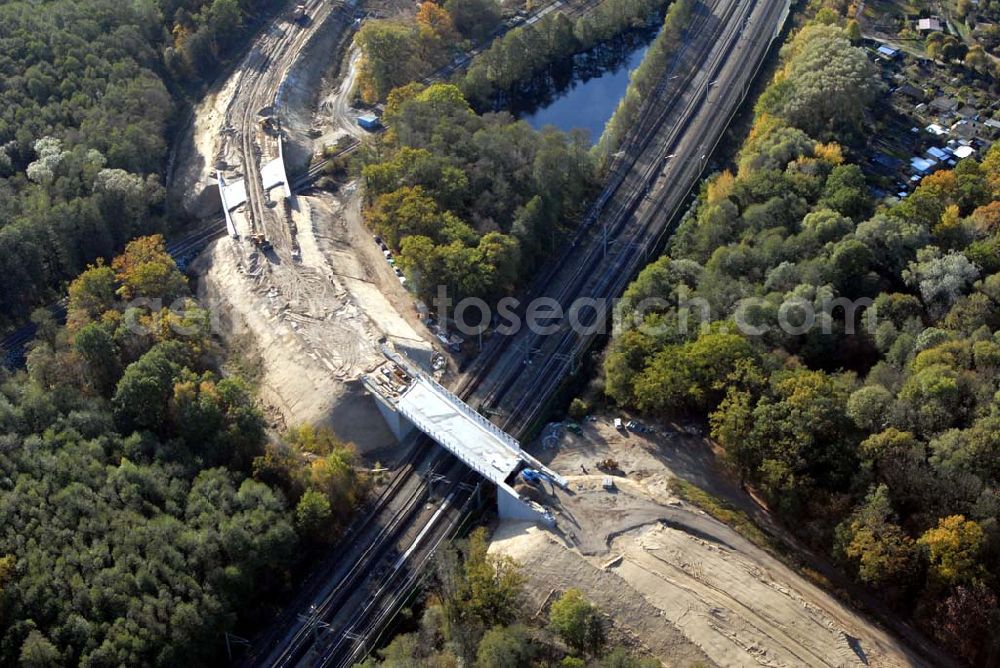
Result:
x=436 y=23
x=952 y=549
x=991 y=167
x=90 y=295
x=145 y=269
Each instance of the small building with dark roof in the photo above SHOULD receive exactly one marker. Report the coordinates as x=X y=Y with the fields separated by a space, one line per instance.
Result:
x=967 y=111
x=944 y=104
x=912 y=92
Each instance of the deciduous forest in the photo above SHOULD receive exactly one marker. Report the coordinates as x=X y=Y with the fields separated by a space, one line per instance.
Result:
x=90 y=89
x=471 y=202
x=880 y=447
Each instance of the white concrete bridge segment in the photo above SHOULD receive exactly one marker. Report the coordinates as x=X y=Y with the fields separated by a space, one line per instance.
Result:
x=452 y=423
x=479 y=443
x=232 y=196
x=273 y=174
x=235 y=193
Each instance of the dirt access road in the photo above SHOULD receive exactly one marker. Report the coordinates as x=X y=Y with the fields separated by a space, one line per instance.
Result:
x=306 y=315
x=688 y=588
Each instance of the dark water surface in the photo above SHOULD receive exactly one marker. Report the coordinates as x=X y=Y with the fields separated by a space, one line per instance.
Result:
x=584 y=94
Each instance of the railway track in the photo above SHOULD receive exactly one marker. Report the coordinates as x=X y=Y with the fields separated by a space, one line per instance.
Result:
x=265 y=68
x=373 y=614
x=376 y=577
x=637 y=240
x=355 y=635
x=619 y=200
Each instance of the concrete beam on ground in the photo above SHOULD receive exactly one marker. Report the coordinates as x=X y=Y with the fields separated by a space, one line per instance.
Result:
x=273 y=173
x=232 y=196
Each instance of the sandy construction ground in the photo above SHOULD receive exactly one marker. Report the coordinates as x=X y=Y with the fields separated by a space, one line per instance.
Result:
x=690 y=589
x=314 y=326
x=310 y=313
x=208 y=143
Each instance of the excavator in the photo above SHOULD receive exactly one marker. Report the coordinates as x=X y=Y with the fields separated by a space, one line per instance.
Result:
x=261 y=242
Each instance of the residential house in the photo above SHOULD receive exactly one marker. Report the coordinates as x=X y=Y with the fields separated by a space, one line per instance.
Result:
x=912 y=92
x=944 y=104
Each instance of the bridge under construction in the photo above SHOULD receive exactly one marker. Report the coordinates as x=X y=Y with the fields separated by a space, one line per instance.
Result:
x=409 y=399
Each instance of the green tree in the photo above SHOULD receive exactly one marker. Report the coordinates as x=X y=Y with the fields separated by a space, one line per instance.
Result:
x=39 y=652
x=805 y=436
x=475 y=19
x=313 y=514
x=620 y=658
x=623 y=364
x=505 y=647
x=141 y=398
x=849 y=261
x=869 y=407
x=826 y=84
x=577 y=622
x=578 y=409
x=847 y=192
x=879 y=548
x=494 y=582
x=853 y=31
x=731 y=425
x=389 y=57
x=97 y=347
x=686 y=376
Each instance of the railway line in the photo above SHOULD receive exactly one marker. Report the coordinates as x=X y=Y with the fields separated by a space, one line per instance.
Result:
x=640 y=223
x=351 y=596
x=351 y=631
x=252 y=104
x=628 y=182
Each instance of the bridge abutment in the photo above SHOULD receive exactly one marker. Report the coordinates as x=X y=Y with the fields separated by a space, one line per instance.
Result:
x=397 y=423
x=512 y=507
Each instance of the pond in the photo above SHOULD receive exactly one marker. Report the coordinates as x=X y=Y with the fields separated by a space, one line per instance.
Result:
x=586 y=94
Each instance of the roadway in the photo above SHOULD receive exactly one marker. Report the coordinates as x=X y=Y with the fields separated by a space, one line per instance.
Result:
x=708 y=79
x=349 y=597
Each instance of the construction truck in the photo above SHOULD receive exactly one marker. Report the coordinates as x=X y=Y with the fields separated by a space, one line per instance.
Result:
x=261 y=242
x=607 y=465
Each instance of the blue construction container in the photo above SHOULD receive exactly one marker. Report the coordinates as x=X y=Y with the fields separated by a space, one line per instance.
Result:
x=369 y=122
